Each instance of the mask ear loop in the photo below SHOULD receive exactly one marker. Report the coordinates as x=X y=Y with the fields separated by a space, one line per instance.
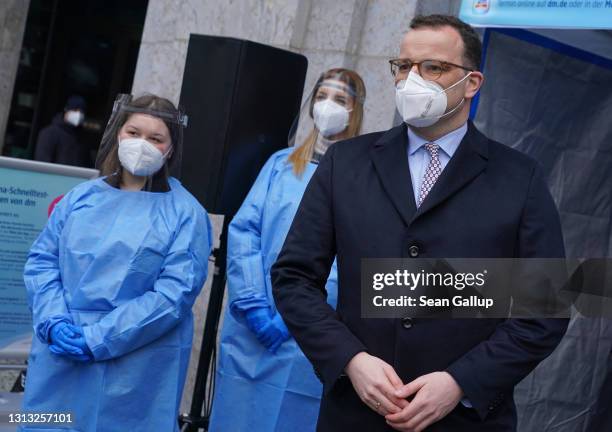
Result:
x=437 y=91
x=456 y=106
x=456 y=84
x=453 y=110
x=164 y=155
x=460 y=102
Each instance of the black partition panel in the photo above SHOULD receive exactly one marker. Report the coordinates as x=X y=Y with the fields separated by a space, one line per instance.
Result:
x=241 y=98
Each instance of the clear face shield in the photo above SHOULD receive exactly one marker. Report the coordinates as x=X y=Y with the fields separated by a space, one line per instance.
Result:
x=146 y=134
x=333 y=111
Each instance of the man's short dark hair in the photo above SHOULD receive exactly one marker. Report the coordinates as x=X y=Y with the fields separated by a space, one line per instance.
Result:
x=472 y=47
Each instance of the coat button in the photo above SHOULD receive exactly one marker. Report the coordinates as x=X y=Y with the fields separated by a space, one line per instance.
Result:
x=407 y=323
x=413 y=251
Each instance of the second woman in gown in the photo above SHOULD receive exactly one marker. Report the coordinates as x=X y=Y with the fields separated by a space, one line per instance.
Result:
x=264 y=382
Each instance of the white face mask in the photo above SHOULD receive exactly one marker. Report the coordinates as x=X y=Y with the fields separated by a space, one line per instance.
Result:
x=422 y=103
x=330 y=118
x=75 y=118
x=140 y=157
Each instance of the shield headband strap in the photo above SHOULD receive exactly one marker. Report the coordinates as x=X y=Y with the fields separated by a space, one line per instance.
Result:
x=180 y=118
x=345 y=88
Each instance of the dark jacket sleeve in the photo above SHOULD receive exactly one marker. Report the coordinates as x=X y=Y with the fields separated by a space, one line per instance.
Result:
x=299 y=276
x=488 y=373
x=46 y=145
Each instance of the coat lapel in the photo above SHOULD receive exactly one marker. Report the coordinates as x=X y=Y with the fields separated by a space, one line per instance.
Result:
x=469 y=161
x=390 y=158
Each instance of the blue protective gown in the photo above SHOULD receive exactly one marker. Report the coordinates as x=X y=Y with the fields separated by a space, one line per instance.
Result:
x=256 y=390
x=127 y=266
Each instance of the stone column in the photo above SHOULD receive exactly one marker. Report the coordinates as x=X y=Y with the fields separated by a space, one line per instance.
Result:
x=332 y=36
x=386 y=22
x=161 y=60
x=13 y=16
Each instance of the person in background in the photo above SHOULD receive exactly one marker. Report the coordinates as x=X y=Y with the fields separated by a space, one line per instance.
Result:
x=59 y=142
x=264 y=382
x=111 y=281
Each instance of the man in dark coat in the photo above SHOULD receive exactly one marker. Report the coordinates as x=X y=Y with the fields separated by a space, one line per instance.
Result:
x=59 y=142
x=432 y=187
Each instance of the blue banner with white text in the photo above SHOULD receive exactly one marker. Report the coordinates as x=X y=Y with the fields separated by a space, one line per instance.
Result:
x=585 y=14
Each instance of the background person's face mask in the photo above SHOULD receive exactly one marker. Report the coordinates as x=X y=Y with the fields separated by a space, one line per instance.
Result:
x=330 y=118
x=75 y=118
x=140 y=157
x=422 y=103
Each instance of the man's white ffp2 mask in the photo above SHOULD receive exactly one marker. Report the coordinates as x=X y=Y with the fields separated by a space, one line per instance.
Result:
x=422 y=103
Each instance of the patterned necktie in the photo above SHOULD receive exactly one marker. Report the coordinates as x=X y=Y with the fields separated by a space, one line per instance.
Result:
x=432 y=173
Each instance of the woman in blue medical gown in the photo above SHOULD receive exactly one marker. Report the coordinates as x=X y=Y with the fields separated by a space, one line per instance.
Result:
x=264 y=382
x=111 y=281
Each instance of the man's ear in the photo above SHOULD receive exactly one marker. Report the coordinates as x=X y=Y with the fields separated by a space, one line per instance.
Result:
x=474 y=83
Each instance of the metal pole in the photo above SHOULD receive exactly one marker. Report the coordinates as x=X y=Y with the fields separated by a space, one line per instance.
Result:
x=196 y=420
x=13 y=367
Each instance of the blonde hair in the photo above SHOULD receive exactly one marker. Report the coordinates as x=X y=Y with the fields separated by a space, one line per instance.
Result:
x=302 y=154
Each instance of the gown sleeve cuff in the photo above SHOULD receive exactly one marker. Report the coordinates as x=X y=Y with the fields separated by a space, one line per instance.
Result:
x=98 y=350
x=43 y=329
x=239 y=307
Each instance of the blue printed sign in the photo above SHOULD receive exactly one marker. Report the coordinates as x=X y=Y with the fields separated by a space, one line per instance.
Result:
x=577 y=14
x=28 y=190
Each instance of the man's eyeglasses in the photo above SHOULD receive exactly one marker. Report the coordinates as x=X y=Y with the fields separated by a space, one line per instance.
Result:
x=428 y=69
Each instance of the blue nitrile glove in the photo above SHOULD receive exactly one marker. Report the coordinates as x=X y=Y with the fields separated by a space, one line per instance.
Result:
x=77 y=357
x=61 y=339
x=67 y=340
x=274 y=334
x=79 y=341
x=257 y=318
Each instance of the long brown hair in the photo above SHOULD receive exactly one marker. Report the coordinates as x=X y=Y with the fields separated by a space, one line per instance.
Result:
x=108 y=159
x=303 y=153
